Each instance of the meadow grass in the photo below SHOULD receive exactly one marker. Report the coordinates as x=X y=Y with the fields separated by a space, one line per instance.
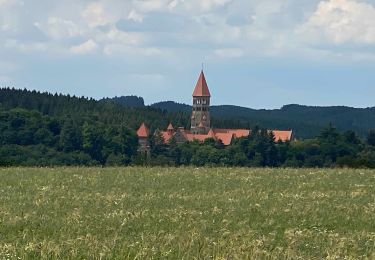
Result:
x=187 y=213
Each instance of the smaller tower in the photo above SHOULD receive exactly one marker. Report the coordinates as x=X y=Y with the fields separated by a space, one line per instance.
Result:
x=200 y=118
x=143 y=134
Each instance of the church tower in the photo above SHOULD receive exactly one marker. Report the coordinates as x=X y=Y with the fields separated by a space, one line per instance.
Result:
x=200 y=118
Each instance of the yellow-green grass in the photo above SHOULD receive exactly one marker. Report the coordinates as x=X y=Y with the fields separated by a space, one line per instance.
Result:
x=187 y=213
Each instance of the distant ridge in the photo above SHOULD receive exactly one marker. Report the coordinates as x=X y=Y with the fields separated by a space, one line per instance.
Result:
x=306 y=121
x=172 y=106
x=127 y=101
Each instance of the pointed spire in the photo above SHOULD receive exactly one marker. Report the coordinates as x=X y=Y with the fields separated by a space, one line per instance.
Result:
x=201 y=89
x=143 y=131
x=170 y=127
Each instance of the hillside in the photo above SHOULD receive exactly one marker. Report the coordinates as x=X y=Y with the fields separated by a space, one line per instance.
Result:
x=127 y=101
x=306 y=121
x=43 y=129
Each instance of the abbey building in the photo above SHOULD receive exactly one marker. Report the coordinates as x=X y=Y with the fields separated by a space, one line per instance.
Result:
x=201 y=129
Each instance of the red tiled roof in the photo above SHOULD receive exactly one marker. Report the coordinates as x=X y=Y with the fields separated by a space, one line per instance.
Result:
x=201 y=89
x=167 y=136
x=211 y=134
x=226 y=135
x=237 y=133
x=226 y=138
x=282 y=135
x=143 y=131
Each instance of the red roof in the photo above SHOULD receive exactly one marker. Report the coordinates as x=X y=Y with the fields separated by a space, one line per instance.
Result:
x=282 y=135
x=226 y=138
x=201 y=89
x=227 y=135
x=143 y=131
x=237 y=133
x=211 y=134
x=167 y=136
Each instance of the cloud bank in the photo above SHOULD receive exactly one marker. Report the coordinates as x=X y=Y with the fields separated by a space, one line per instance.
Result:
x=153 y=36
x=230 y=28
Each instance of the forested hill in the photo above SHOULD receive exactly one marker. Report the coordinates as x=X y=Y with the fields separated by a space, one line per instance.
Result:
x=127 y=111
x=43 y=129
x=306 y=121
x=127 y=101
x=130 y=111
x=81 y=109
x=46 y=129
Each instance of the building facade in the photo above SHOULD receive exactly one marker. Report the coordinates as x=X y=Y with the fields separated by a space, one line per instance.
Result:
x=201 y=129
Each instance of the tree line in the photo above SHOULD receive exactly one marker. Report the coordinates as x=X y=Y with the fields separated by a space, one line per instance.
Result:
x=43 y=129
x=330 y=149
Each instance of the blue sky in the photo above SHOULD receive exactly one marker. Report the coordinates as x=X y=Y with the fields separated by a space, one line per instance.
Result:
x=258 y=54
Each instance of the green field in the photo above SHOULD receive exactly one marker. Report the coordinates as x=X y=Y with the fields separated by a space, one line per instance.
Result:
x=187 y=213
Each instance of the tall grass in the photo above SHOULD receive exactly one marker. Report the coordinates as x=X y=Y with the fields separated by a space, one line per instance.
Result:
x=186 y=213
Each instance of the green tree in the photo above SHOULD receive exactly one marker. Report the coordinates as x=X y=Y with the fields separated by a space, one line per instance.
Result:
x=93 y=141
x=70 y=137
x=371 y=138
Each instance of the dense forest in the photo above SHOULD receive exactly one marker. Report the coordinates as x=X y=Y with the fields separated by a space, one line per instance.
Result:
x=43 y=129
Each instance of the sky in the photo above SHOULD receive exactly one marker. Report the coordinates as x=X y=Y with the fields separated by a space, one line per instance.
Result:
x=256 y=53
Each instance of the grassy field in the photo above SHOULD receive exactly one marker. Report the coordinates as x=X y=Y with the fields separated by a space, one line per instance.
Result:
x=187 y=213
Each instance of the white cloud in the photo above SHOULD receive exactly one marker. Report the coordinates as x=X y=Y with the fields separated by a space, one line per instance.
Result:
x=25 y=47
x=135 y=16
x=125 y=38
x=229 y=53
x=150 y=5
x=209 y=4
x=4 y=80
x=58 y=28
x=340 y=22
x=230 y=28
x=9 y=21
x=131 y=51
x=172 y=5
x=5 y=3
x=195 y=7
x=5 y=27
x=96 y=15
x=85 y=48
